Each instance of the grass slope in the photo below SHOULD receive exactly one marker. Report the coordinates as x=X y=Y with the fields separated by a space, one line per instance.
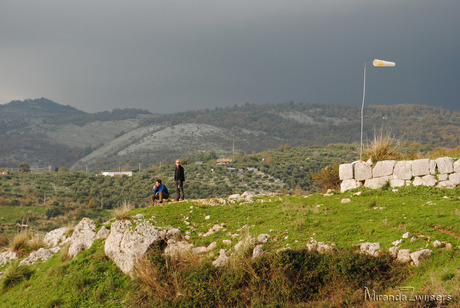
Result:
x=292 y=222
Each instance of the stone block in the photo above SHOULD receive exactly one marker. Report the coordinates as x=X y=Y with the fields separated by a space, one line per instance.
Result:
x=418 y=181
x=421 y=167
x=346 y=172
x=403 y=170
x=362 y=171
x=349 y=184
x=445 y=164
x=383 y=168
x=454 y=178
x=443 y=177
x=430 y=180
x=397 y=182
x=427 y=180
x=457 y=166
x=446 y=184
x=432 y=167
x=376 y=183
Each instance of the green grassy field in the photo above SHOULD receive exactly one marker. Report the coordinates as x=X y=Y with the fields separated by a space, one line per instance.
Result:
x=382 y=216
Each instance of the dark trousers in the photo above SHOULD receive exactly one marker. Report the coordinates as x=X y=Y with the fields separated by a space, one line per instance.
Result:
x=160 y=196
x=179 y=190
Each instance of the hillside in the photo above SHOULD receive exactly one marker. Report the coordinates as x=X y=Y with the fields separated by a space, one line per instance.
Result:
x=43 y=200
x=43 y=133
x=273 y=256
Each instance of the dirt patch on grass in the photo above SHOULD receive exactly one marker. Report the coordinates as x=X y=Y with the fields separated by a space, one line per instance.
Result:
x=445 y=231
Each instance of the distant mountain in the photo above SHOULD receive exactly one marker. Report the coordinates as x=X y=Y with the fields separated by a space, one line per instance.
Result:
x=44 y=133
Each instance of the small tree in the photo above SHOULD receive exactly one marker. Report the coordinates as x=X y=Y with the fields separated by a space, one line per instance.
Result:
x=327 y=177
x=24 y=167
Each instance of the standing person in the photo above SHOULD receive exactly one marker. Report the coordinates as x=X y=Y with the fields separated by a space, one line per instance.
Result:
x=160 y=192
x=179 y=179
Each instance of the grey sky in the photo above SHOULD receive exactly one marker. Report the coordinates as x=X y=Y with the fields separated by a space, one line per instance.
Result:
x=176 y=55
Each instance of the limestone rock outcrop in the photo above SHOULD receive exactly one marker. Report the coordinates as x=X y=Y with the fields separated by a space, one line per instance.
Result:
x=42 y=254
x=7 y=256
x=82 y=237
x=127 y=241
x=56 y=237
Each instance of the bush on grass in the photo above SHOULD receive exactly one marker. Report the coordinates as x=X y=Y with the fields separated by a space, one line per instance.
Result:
x=290 y=277
x=383 y=147
x=15 y=274
x=327 y=177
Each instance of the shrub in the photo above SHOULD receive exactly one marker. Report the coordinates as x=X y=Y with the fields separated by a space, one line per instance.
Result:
x=20 y=243
x=53 y=212
x=36 y=242
x=24 y=243
x=288 y=278
x=383 y=147
x=15 y=274
x=4 y=241
x=327 y=177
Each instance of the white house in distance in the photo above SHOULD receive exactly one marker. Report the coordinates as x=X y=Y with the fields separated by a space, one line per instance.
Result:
x=117 y=173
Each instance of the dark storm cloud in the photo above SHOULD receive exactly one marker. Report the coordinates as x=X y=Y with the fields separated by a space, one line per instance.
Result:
x=167 y=56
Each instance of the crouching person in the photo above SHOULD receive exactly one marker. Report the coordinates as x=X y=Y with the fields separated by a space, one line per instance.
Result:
x=160 y=192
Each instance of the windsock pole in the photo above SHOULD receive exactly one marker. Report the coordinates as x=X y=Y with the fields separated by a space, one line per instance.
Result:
x=362 y=113
x=376 y=63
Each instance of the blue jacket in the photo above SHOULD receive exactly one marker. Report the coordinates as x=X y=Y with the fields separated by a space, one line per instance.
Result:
x=161 y=188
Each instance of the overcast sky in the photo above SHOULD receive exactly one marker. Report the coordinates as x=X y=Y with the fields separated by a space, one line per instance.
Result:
x=175 y=55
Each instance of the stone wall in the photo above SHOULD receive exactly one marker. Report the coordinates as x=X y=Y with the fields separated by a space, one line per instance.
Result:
x=443 y=172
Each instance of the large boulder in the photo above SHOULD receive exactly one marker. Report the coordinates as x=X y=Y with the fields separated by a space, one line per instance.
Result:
x=128 y=242
x=82 y=237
